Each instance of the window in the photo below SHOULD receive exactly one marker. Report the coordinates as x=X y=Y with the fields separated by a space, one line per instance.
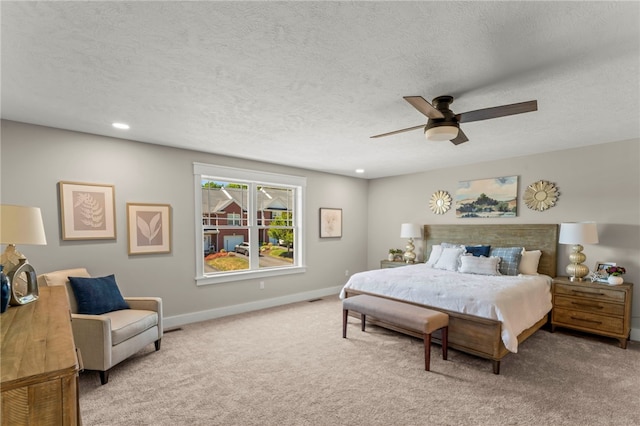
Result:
x=248 y=224
x=233 y=219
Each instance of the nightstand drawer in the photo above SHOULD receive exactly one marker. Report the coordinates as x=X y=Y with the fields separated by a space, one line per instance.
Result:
x=603 y=294
x=589 y=305
x=589 y=321
x=384 y=264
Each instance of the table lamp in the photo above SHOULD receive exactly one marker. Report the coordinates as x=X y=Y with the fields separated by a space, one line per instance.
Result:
x=576 y=234
x=410 y=231
x=20 y=225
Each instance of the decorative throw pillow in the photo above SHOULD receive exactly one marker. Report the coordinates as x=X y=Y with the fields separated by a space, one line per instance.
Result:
x=436 y=251
x=510 y=259
x=479 y=265
x=449 y=259
x=97 y=296
x=529 y=262
x=478 y=250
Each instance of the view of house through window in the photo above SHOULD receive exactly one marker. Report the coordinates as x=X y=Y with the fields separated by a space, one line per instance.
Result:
x=247 y=226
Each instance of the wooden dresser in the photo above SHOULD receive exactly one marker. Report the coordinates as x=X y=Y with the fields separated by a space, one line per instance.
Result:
x=593 y=307
x=39 y=364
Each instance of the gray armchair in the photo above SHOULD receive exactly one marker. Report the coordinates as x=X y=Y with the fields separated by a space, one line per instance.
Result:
x=107 y=339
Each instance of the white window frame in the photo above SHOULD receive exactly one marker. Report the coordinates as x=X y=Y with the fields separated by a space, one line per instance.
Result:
x=252 y=178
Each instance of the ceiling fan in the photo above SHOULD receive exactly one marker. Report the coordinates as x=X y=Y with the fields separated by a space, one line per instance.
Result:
x=444 y=125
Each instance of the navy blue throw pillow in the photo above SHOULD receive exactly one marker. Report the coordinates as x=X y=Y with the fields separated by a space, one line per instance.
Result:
x=478 y=251
x=97 y=296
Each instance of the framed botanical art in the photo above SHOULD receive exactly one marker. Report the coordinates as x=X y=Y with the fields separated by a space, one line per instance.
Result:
x=330 y=223
x=87 y=211
x=149 y=228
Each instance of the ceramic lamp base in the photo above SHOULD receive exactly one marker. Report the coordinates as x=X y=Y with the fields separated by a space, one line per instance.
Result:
x=409 y=255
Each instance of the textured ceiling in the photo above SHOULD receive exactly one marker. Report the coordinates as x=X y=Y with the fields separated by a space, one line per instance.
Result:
x=307 y=83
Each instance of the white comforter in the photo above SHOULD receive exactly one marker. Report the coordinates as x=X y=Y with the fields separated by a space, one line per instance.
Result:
x=518 y=301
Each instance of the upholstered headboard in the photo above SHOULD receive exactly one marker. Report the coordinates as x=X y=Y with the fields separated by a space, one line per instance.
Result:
x=542 y=237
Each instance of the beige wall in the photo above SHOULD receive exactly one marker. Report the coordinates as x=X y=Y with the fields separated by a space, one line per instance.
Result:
x=34 y=159
x=591 y=186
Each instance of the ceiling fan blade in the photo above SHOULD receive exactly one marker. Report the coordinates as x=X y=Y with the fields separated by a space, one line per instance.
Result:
x=499 y=111
x=461 y=138
x=399 y=131
x=423 y=106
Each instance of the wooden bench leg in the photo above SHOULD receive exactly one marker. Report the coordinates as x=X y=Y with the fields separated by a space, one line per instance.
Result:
x=427 y=351
x=445 y=341
x=364 y=320
x=444 y=332
x=496 y=367
x=345 y=314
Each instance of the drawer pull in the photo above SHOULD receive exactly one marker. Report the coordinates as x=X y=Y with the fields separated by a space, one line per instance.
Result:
x=586 y=320
x=586 y=305
x=590 y=293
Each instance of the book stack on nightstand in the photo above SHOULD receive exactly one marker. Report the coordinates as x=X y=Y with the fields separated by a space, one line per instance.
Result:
x=592 y=307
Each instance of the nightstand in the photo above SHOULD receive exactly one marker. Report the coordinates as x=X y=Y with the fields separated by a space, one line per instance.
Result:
x=384 y=264
x=592 y=307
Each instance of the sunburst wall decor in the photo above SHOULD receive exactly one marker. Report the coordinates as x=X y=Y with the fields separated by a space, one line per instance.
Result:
x=440 y=202
x=541 y=195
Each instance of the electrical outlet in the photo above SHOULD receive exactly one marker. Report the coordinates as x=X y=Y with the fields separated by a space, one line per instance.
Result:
x=261 y=285
x=346 y=273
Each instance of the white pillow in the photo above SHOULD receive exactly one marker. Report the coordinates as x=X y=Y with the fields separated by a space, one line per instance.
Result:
x=449 y=259
x=480 y=265
x=436 y=251
x=529 y=262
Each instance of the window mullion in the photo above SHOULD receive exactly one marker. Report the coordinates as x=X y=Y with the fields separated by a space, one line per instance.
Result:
x=252 y=217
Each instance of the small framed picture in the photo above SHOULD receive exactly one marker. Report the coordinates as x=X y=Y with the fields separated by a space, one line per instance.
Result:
x=330 y=223
x=149 y=228
x=87 y=211
x=601 y=270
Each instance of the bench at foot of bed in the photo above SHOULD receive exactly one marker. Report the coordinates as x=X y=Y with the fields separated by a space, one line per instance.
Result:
x=406 y=316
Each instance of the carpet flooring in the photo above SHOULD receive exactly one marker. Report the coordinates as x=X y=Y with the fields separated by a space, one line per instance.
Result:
x=290 y=366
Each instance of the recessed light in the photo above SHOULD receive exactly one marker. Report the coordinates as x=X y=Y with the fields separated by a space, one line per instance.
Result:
x=121 y=126
x=359 y=170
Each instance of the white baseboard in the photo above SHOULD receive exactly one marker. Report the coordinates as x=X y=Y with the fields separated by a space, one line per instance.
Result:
x=179 y=320
x=635 y=334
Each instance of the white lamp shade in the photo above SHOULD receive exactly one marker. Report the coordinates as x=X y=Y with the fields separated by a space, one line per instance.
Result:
x=21 y=225
x=441 y=133
x=410 y=230
x=578 y=233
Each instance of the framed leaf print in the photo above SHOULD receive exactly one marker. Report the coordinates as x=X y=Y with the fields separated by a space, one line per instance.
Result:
x=149 y=228
x=87 y=211
x=330 y=223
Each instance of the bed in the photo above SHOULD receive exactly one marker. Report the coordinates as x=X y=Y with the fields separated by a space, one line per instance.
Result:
x=471 y=330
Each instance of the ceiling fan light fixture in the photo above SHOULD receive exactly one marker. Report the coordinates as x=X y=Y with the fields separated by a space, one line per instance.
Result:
x=441 y=133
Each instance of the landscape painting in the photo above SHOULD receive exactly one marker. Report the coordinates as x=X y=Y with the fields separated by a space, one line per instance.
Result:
x=495 y=197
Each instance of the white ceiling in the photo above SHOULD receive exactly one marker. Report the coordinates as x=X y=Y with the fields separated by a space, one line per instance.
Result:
x=307 y=83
